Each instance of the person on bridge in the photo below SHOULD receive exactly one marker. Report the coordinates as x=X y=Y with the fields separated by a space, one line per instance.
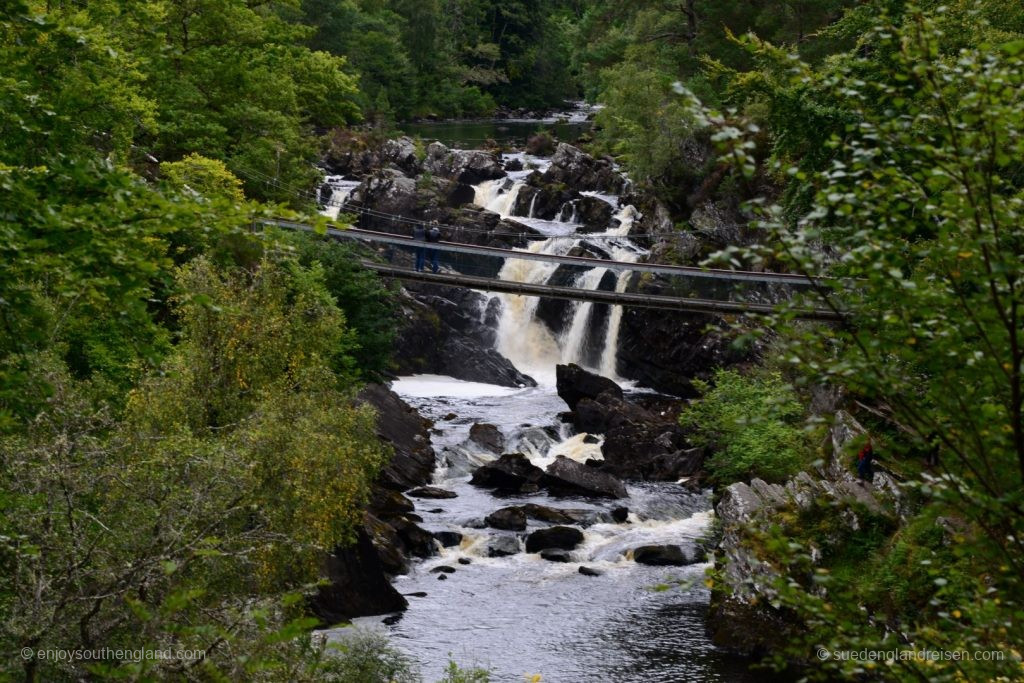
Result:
x=433 y=236
x=419 y=233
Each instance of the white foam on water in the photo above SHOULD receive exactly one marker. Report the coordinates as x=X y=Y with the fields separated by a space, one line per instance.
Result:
x=425 y=386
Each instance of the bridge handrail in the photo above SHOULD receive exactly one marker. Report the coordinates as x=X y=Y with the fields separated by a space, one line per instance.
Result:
x=460 y=247
x=690 y=305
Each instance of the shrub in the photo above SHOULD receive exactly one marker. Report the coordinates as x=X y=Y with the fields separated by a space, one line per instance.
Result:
x=752 y=423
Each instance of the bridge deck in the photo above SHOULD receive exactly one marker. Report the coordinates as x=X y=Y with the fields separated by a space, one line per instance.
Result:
x=596 y=295
x=583 y=261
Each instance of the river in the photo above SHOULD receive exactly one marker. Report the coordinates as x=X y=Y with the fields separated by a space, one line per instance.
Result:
x=520 y=615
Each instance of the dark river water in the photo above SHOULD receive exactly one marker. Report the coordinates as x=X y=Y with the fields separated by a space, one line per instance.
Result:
x=521 y=615
x=471 y=134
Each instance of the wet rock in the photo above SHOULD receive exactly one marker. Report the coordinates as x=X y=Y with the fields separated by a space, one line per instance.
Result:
x=431 y=492
x=389 y=545
x=590 y=571
x=502 y=546
x=574 y=383
x=560 y=537
x=442 y=577
x=448 y=539
x=357 y=585
x=414 y=540
x=449 y=417
x=511 y=473
x=591 y=439
x=465 y=166
x=662 y=556
x=593 y=214
x=389 y=503
x=412 y=461
x=620 y=514
x=568 y=477
x=464 y=560
x=551 y=515
x=442 y=569
x=413 y=517
x=667 y=351
x=392 y=620
x=514 y=165
x=402 y=153
x=556 y=555
x=416 y=594
x=509 y=519
x=428 y=344
x=487 y=436
x=577 y=169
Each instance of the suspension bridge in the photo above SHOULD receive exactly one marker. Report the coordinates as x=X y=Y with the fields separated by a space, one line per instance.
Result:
x=491 y=284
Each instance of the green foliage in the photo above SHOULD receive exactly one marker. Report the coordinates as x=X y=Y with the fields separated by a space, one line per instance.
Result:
x=369 y=305
x=752 y=424
x=207 y=177
x=185 y=523
x=456 y=674
x=365 y=656
x=919 y=201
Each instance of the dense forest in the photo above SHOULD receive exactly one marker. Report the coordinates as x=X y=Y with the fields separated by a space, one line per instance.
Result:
x=173 y=384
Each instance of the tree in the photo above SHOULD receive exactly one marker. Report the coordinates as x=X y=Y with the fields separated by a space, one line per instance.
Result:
x=915 y=234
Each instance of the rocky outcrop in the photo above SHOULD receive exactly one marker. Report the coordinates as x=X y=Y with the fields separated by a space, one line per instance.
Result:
x=358 y=573
x=569 y=478
x=575 y=168
x=358 y=585
x=574 y=383
x=667 y=351
x=426 y=343
x=465 y=166
x=742 y=617
x=399 y=425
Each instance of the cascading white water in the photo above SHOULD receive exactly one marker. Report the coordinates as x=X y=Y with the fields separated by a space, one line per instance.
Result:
x=573 y=342
x=521 y=338
x=498 y=196
x=340 y=191
x=533 y=203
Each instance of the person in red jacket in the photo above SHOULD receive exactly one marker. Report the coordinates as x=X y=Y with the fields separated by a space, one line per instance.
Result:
x=865 y=458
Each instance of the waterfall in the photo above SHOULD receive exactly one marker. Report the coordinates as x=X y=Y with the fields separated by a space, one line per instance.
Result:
x=574 y=342
x=498 y=196
x=340 y=191
x=521 y=337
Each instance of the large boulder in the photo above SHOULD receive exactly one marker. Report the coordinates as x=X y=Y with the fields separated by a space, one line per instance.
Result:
x=593 y=214
x=561 y=537
x=509 y=519
x=577 y=169
x=570 y=478
x=403 y=154
x=663 y=556
x=398 y=424
x=465 y=166
x=574 y=383
x=358 y=585
x=427 y=344
x=511 y=473
x=487 y=436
